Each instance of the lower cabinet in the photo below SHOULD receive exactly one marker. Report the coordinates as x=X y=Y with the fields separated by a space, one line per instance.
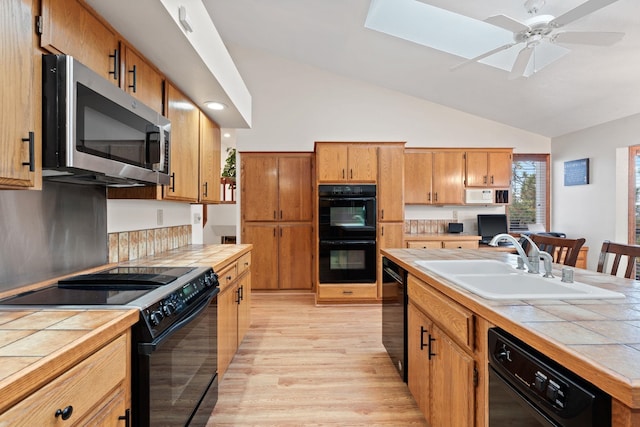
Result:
x=441 y=367
x=443 y=243
x=94 y=392
x=234 y=309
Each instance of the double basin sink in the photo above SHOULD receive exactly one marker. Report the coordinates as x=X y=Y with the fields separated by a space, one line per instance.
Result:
x=497 y=280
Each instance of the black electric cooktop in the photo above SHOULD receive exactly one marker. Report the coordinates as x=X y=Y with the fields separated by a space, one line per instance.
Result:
x=116 y=286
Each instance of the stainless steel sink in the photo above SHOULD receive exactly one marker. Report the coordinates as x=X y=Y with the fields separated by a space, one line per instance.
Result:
x=497 y=280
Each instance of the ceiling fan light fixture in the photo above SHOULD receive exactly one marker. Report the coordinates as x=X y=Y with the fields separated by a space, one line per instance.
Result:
x=533 y=6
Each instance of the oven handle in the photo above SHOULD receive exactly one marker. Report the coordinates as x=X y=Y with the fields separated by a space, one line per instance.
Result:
x=346 y=199
x=347 y=242
x=149 y=347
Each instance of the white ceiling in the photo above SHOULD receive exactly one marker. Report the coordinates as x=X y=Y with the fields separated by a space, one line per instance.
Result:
x=589 y=86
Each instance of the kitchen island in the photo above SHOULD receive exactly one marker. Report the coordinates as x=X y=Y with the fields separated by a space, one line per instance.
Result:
x=597 y=339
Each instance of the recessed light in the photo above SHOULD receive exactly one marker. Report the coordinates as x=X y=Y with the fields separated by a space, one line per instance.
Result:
x=215 y=105
x=227 y=135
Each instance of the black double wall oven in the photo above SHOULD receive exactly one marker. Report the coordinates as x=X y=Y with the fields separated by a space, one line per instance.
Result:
x=347 y=233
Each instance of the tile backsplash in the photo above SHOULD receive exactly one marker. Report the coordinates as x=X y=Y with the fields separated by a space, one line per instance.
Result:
x=427 y=226
x=131 y=245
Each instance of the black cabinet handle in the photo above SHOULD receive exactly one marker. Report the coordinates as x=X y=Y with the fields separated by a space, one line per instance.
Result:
x=431 y=340
x=206 y=189
x=65 y=413
x=172 y=187
x=422 y=332
x=126 y=417
x=116 y=63
x=238 y=296
x=134 y=85
x=241 y=292
x=31 y=162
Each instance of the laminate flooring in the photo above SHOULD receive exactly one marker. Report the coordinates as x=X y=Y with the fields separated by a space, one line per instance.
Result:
x=307 y=365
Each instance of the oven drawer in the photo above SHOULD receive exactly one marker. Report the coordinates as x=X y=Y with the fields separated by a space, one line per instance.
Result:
x=86 y=387
x=452 y=318
x=347 y=292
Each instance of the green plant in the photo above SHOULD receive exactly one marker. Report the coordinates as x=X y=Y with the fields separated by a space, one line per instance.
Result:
x=229 y=170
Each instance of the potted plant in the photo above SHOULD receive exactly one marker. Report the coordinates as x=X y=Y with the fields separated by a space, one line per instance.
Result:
x=229 y=170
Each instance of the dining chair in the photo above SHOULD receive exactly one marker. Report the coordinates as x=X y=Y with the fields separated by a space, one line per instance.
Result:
x=564 y=251
x=619 y=250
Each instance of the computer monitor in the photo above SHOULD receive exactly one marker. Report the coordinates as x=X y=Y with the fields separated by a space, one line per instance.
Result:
x=490 y=225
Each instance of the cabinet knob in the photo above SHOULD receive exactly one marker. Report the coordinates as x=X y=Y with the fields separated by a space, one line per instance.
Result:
x=65 y=413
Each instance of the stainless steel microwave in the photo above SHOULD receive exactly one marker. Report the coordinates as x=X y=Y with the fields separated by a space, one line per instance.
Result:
x=94 y=132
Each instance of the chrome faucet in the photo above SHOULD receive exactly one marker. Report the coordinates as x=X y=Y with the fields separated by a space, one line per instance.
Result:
x=532 y=261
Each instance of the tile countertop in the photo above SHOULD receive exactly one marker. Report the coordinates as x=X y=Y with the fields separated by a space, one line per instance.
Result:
x=37 y=345
x=597 y=339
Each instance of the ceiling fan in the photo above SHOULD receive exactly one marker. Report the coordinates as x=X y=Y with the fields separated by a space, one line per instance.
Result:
x=540 y=32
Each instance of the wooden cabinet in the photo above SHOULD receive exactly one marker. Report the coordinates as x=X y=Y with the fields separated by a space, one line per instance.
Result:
x=488 y=168
x=185 y=146
x=234 y=308
x=93 y=392
x=283 y=255
x=20 y=97
x=443 y=242
x=344 y=162
x=440 y=352
x=390 y=188
x=209 y=160
x=434 y=177
x=276 y=187
x=70 y=27
x=140 y=79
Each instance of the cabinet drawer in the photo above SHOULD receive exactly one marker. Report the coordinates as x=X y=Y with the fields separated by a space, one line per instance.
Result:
x=452 y=318
x=85 y=387
x=244 y=263
x=460 y=244
x=425 y=244
x=348 y=292
x=227 y=275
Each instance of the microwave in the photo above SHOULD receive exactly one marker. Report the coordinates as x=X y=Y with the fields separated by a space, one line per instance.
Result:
x=93 y=132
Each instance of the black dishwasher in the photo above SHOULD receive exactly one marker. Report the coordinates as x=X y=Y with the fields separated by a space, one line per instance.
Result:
x=527 y=389
x=394 y=314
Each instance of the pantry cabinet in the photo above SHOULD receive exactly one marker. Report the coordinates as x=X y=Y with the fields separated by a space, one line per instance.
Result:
x=434 y=177
x=20 y=97
x=441 y=368
x=343 y=162
x=70 y=27
x=140 y=79
x=234 y=308
x=209 y=160
x=491 y=168
x=390 y=188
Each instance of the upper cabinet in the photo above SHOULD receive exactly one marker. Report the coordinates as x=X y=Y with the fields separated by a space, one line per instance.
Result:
x=209 y=160
x=277 y=187
x=343 y=162
x=434 y=177
x=391 y=182
x=19 y=97
x=488 y=168
x=69 y=27
x=140 y=79
x=185 y=137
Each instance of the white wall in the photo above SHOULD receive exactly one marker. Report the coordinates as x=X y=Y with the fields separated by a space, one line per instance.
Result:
x=597 y=211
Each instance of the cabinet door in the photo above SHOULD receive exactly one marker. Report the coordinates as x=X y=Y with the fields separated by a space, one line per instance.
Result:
x=70 y=28
x=448 y=177
x=391 y=183
x=295 y=256
x=477 y=174
x=209 y=160
x=331 y=162
x=451 y=376
x=259 y=184
x=141 y=80
x=227 y=326
x=264 y=256
x=185 y=147
x=295 y=188
x=244 y=308
x=417 y=177
x=17 y=98
x=418 y=328
x=362 y=163
x=499 y=168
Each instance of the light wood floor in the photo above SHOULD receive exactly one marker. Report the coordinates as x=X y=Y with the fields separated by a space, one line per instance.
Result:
x=307 y=365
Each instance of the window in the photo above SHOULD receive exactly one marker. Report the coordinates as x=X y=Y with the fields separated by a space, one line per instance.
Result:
x=530 y=192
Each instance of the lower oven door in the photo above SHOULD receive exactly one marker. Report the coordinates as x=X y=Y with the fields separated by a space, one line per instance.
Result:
x=175 y=377
x=347 y=261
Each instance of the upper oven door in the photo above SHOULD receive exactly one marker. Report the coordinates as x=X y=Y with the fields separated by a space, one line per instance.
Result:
x=347 y=218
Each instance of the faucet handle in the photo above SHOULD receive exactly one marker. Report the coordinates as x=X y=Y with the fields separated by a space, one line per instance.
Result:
x=520 y=263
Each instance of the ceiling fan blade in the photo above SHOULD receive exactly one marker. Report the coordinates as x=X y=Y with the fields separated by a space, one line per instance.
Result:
x=507 y=23
x=521 y=62
x=484 y=55
x=595 y=38
x=578 y=12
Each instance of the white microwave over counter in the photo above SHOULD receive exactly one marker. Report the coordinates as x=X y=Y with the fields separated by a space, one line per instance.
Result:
x=96 y=133
x=479 y=196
